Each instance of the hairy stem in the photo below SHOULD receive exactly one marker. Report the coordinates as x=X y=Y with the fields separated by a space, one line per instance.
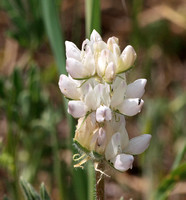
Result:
x=100 y=181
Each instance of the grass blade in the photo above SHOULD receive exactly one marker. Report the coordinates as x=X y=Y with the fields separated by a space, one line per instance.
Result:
x=53 y=28
x=93 y=15
x=178 y=174
x=43 y=193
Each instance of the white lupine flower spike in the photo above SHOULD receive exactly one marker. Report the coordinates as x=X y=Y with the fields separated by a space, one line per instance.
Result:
x=101 y=98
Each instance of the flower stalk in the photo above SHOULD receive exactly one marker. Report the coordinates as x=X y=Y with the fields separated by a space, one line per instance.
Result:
x=100 y=98
x=100 y=190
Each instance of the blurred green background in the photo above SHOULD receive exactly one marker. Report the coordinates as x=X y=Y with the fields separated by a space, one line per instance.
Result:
x=35 y=130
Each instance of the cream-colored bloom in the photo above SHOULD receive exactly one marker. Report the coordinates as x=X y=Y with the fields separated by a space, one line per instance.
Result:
x=69 y=87
x=128 y=56
x=100 y=98
x=103 y=113
x=119 y=153
x=130 y=107
x=77 y=108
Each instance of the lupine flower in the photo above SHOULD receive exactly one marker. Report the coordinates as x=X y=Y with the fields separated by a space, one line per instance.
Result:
x=100 y=97
x=119 y=153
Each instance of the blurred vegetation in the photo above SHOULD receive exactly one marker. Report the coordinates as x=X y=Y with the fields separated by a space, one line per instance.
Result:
x=26 y=19
x=35 y=132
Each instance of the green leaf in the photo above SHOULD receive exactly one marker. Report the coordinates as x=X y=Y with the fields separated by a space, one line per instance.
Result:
x=178 y=174
x=93 y=15
x=28 y=190
x=179 y=157
x=43 y=193
x=31 y=194
x=53 y=28
x=6 y=198
x=32 y=20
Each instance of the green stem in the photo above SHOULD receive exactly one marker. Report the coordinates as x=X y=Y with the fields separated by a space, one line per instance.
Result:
x=57 y=165
x=88 y=16
x=11 y=149
x=91 y=180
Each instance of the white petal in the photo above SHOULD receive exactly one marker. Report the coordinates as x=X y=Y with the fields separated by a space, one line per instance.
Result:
x=136 y=89
x=68 y=87
x=131 y=107
x=138 y=144
x=117 y=121
x=94 y=139
x=123 y=162
x=99 y=46
x=124 y=136
x=113 y=147
x=110 y=72
x=77 y=109
x=101 y=137
x=95 y=36
x=117 y=81
x=75 y=68
x=86 y=46
x=102 y=62
x=103 y=113
x=105 y=95
x=111 y=41
x=118 y=94
x=98 y=140
x=92 y=100
x=85 y=87
x=89 y=64
x=128 y=56
x=103 y=92
x=116 y=53
x=72 y=51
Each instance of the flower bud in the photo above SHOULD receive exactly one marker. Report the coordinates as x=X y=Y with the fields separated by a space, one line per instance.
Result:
x=130 y=107
x=110 y=72
x=95 y=36
x=81 y=70
x=90 y=136
x=101 y=137
x=111 y=41
x=102 y=62
x=77 y=108
x=123 y=162
x=128 y=56
x=75 y=68
x=69 y=87
x=103 y=113
x=72 y=51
